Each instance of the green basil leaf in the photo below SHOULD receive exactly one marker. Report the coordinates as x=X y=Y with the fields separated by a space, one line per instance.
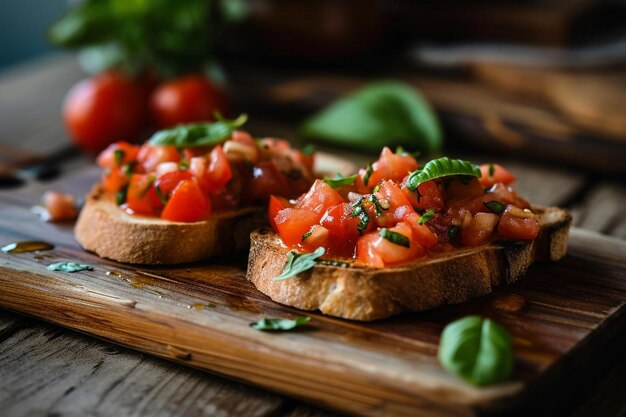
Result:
x=395 y=237
x=198 y=134
x=442 y=167
x=120 y=196
x=368 y=173
x=495 y=206
x=119 y=155
x=340 y=180
x=426 y=216
x=270 y=323
x=308 y=149
x=477 y=349
x=453 y=232
x=69 y=267
x=385 y=113
x=299 y=262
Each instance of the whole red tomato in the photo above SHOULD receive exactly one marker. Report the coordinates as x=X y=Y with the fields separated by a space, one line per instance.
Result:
x=192 y=98
x=104 y=109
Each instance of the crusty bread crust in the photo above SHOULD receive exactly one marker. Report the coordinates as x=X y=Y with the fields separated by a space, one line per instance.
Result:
x=111 y=233
x=361 y=293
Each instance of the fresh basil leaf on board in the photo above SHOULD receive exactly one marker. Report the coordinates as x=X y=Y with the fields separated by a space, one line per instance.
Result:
x=477 y=349
x=386 y=113
x=274 y=324
x=198 y=134
x=299 y=262
x=69 y=267
x=442 y=167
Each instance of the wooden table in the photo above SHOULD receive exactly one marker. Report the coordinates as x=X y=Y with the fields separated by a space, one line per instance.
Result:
x=48 y=370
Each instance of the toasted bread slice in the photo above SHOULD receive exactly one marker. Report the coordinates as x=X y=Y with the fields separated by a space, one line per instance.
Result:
x=111 y=233
x=362 y=293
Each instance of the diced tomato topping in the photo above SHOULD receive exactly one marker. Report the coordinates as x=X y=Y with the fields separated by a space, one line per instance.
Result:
x=170 y=180
x=266 y=180
x=458 y=188
x=117 y=154
x=219 y=172
x=316 y=236
x=377 y=251
x=150 y=156
x=293 y=223
x=276 y=204
x=479 y=229
x=428 y=196
x=495 y=173
x=114 y=179
x=389 y=166
x=141 y=197
x=516 y=223
x=421 y=232
x=320 y=198
x=187 y=204
x=343 y=229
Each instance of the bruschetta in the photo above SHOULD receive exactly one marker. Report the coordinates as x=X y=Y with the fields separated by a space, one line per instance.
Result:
x=189 y=193
x=396 y=238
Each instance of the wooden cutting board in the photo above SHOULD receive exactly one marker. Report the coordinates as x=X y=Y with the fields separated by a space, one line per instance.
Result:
x=199 y=315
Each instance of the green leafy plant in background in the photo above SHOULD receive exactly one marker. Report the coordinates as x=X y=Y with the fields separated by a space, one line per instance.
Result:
x=477 y=349
x=164 y=36
x=381 y=114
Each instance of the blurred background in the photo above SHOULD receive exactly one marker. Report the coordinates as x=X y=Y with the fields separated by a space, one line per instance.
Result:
x=543 y=79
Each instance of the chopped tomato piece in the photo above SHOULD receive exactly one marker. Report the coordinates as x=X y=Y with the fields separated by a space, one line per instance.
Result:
x=219 y=172
x=421 y=232
x=293 y=223
x=276 y=204
x=457 y=188
x=266 y=180
x=141 y=197
x=394 y=204
x=390 y=166
x=114 y=179
x=59 y=206
x=374 y=248
x=479 y=229
x=344 y=229
x=516 y=225
x=428 y=196
x=316 y=236
x=117 y=154
x=495 y=173
x=150 y=156
x=187 y=204
x=170 y=180
x=320 y=198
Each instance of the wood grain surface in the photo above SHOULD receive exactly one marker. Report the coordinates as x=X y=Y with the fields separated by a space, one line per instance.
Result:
x=198 y=314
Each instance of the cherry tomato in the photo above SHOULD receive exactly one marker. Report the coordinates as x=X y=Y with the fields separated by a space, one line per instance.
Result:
x=494 y=173
x=102 y=109
x=192 y=98
x=187 y=204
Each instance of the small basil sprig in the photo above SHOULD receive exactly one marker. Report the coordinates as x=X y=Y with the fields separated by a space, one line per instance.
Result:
x=495 y=206
x=69 y=267
x=477 y=349
x=299 y=262
x=271 y=323
x=442 y=167
x=198 y=134
x=340 y=180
